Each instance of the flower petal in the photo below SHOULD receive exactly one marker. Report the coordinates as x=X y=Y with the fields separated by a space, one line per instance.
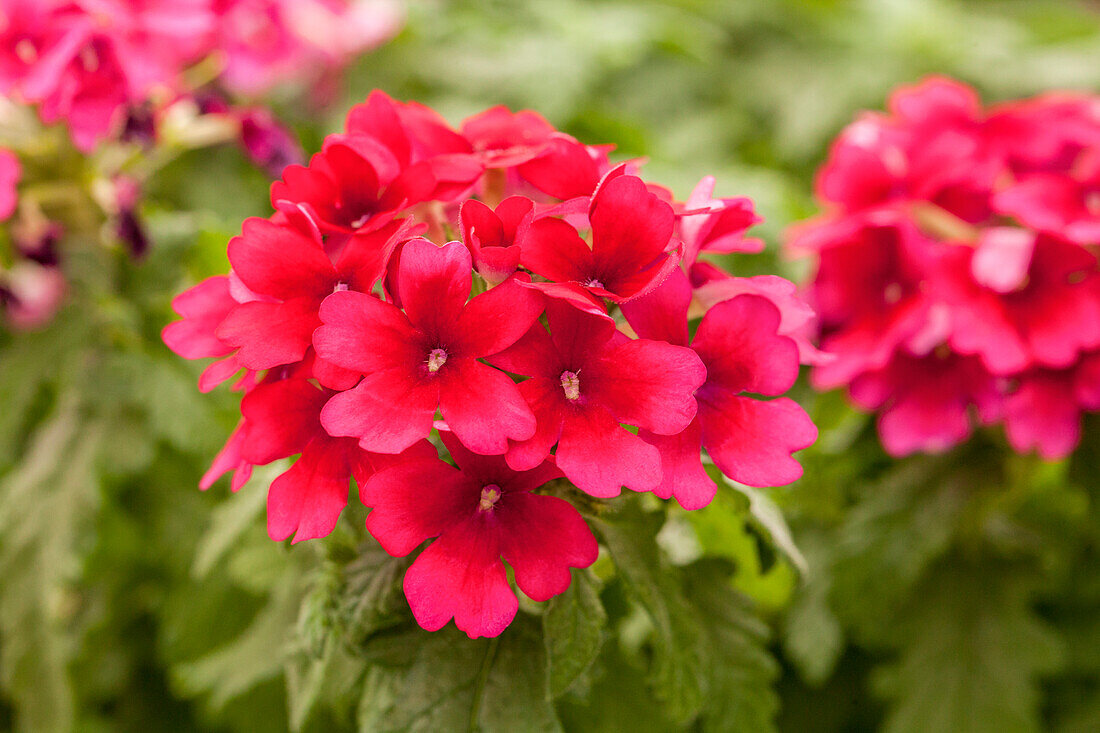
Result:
x=542 y=537
x=388 y=411
x=462 y=576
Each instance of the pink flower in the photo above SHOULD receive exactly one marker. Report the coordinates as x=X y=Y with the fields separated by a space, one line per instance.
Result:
x=586 y=379
x=632 y=248
x=354 y=332
x=1044 y=411
x=268 y=144
x=287 y=274
x=282 y=418
x=749 y=440
x=266 y=42
x=426 y=357
x=31 y=294
x=1048 y=320
x=10 y=173
x=494 y=237
x=720 y=225
x=925 y=401
x=957 y=232
x=503 y=139
x=483 y=514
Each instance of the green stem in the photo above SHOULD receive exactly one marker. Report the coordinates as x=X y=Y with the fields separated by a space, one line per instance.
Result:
x=482 y=680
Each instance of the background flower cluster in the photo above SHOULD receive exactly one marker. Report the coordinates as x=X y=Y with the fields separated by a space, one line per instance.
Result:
x=956 y=277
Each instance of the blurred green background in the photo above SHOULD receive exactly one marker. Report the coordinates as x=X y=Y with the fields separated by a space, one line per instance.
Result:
x=954 y=593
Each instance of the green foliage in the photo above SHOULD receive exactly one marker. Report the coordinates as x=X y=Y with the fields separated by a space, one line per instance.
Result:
x=948 y=593
x=574 y=631
x=973 y=652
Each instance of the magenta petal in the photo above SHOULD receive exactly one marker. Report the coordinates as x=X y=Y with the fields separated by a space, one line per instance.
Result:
x=218 y=372
x=493 y=469
x=577 y=335
x=414 y=501
x=276 y=260
x=599 y=456
x=1002 y=258
x=738 y=342
x=662 y=313
x=496 y=319
x=364 y=334
x=1043 y=415
x=533 y=354
x=203 y=307
x=483 y=406
x=541 y=538
x=270 y=334
x=564 y=170
x=554 y=250
x=388 y=411
x=751 y=441
x=306 y=500
x=462 y=576
x=434 y=283
x=631 y=227
x=682 y=472
x=334 y=377
x=544 y=397
x=647 y=383
x=573 y=294
x=282 y=418
x=228 y=458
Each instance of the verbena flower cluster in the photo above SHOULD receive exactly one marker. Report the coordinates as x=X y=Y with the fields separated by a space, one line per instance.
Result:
x=135 y=73
x=504 y=285
x=97 y=64
x=956 y=278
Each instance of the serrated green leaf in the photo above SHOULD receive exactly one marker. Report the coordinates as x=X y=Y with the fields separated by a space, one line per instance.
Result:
x=320 y=690
x=445 y=681
x=516 y=693
x=907 y=520
x=679 y=664
x=573 y=627
x=45 y=505
x=973 y=656
x=740 y=671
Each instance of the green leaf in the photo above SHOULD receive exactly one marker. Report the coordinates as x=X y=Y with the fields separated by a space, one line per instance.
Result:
x=253 y=658
x=765 y=511
x=973 y=656
x=741 y=671
x=573 y=627
x=679 y=663
x=907 y=520
x=234 y=517
x=46 y=504
x=444 y=681
x=813 y=639
x=321 y=691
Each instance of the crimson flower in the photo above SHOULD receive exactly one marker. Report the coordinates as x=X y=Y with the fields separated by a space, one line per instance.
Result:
x=494 y=237
x=632 y=247
x=586 y=379
x=749 y=439
x=427 y=356
x=481 y=511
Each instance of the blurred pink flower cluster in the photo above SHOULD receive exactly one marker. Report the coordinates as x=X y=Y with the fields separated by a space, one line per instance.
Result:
x=508 y=279
x=119 y=70
x=956 y=279
x=91 y=63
